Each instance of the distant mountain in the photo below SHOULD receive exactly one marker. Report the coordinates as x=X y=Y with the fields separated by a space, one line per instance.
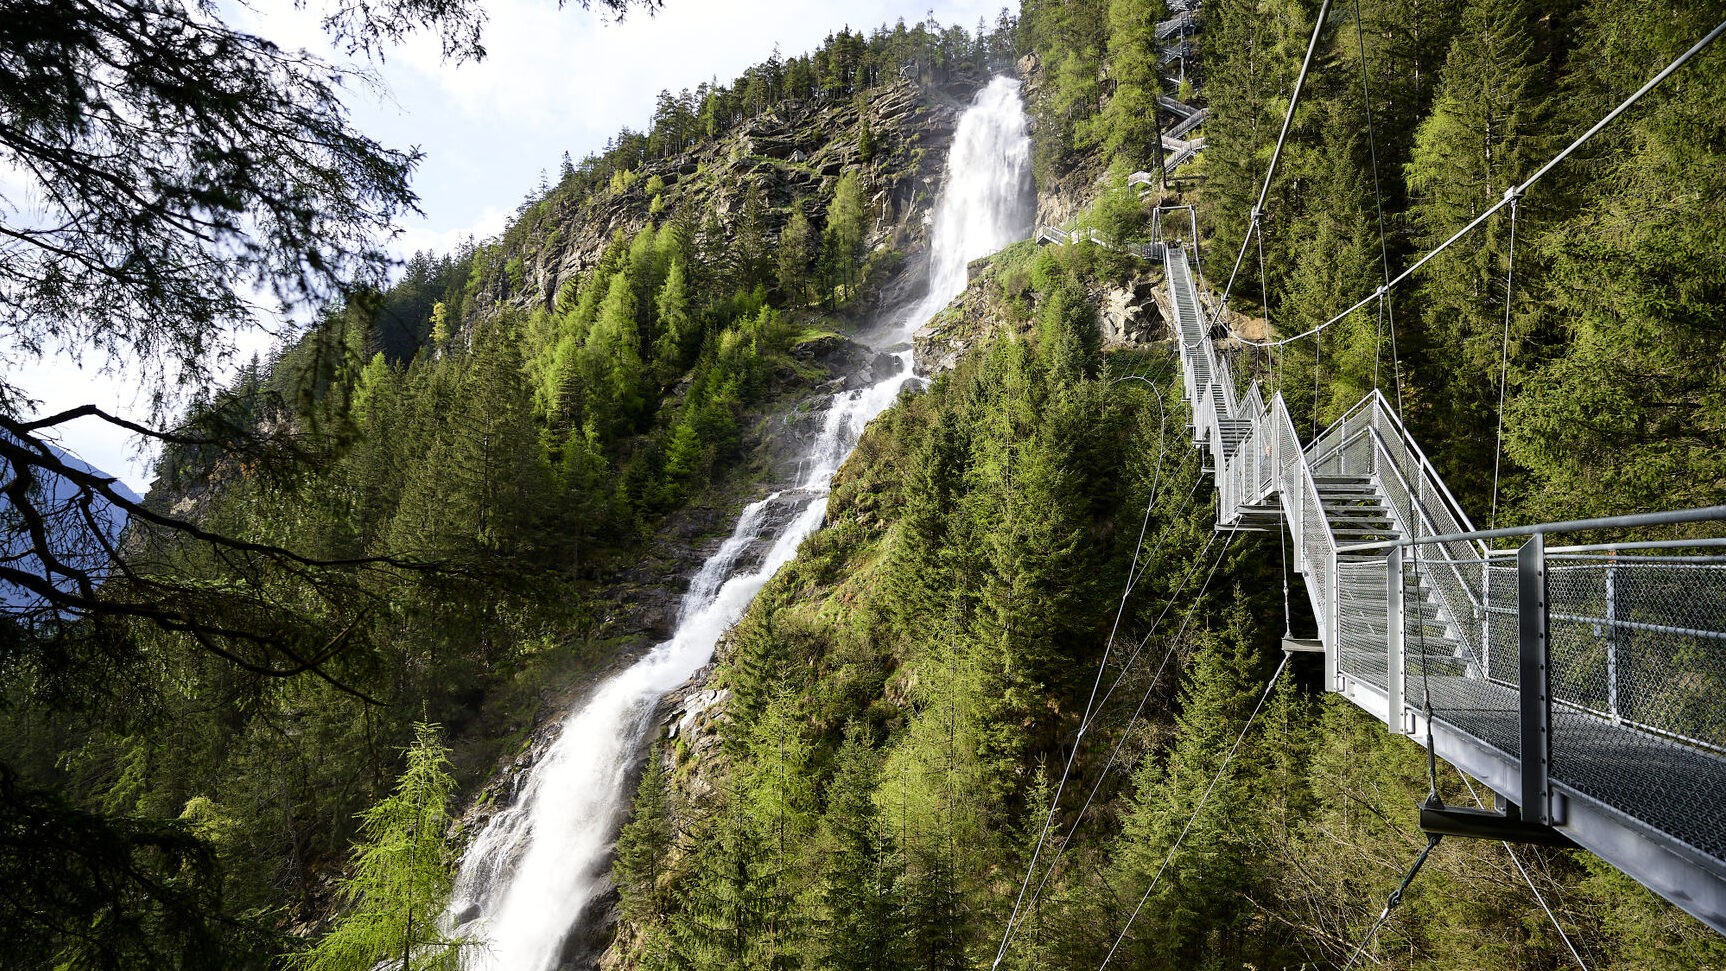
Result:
x=74 y=535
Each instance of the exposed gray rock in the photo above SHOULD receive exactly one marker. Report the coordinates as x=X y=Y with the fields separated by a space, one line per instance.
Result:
x=1129 y=316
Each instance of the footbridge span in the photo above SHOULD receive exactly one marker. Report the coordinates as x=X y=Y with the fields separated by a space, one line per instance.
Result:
x=1583 y=684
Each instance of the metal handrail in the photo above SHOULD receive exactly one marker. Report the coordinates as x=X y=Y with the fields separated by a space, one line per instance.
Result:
x=1700 y=514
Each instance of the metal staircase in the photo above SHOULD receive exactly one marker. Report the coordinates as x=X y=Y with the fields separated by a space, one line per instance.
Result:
x=1582 y=684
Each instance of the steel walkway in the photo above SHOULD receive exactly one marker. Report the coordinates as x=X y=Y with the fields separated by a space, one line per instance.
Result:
x=1584 y=684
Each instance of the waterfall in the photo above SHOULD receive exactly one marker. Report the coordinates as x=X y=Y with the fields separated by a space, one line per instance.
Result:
x=529 y=875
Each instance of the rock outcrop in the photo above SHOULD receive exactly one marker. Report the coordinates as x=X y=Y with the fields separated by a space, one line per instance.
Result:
x=791 y=157
x=1130 y=316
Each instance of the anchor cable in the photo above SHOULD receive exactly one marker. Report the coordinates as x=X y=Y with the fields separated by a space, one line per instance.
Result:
x=1196 y=810
x=1393 y=901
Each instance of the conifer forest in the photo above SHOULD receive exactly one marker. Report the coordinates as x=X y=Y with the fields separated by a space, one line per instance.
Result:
x=918 y=648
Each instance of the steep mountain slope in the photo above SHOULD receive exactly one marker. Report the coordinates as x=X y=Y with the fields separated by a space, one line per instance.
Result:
x=493 y=481
x=864 y=779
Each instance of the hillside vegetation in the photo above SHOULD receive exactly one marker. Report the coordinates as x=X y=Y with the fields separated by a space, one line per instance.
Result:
x=490 y=480
x=465 y=496
x=904 y=698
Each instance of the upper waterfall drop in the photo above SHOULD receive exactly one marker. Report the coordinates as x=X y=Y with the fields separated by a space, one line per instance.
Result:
x=538 y=865
x=986 y=200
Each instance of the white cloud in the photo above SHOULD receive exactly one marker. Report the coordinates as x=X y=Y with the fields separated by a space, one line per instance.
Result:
x=415 y=238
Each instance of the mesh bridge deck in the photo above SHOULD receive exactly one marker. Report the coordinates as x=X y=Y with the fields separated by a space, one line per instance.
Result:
x=1635 y=644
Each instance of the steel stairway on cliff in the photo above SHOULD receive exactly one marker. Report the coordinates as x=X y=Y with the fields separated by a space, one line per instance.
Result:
x=1582 y=684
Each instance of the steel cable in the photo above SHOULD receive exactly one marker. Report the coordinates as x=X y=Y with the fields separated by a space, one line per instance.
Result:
x=1196 y=810
x=1510 y=195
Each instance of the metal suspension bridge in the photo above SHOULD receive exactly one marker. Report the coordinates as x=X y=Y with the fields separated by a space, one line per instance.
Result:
x=1582 y=683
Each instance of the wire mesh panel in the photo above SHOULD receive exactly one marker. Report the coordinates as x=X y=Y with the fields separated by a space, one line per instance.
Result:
x=1638 y=671
x=1468 y=682
x=1362 y=619
x=1318 y=550
x=1642 y=641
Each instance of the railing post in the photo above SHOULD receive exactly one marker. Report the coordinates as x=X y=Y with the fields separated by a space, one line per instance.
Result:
x=1333 y=646
x=1536 y=696
x=1393 y=654
x=1612 y=637
x=1486 y=618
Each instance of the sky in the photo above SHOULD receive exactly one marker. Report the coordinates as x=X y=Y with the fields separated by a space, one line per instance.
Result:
x=553 y=80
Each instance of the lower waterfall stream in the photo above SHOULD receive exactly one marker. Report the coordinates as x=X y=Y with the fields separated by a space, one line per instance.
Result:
x=530 y=874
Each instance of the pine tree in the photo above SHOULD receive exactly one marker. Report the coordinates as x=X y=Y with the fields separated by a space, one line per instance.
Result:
x=611 y=360
x=1196 y=916
x=748 y=253
x=402 y=876
x=1335 y=264
x=846 y=225
x=719 y=924
x=1631 y=405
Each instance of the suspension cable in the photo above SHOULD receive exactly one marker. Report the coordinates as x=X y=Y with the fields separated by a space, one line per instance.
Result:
x=1542 y=901
x=1425 y=673
x=1276 y=153
x=1504 y=365
x=1386 y=313
x=1393 y=900
x=1103 y=664
x=1264 y=278
x=1511 y=194
x=1265 y=695
x=1132 y=721
x=1530 y=881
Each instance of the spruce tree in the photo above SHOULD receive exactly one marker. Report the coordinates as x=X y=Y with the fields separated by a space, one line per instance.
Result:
x=402 y=876
x=861 y=868
x=1478 y=141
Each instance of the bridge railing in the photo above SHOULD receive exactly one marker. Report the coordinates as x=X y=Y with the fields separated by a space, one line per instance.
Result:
x=1593 y=692
x=1637 y=639
x=1583 y=684
x=1369 y=441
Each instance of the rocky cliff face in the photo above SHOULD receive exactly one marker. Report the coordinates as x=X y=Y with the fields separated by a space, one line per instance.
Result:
x=1000 y=300
x=793 y=157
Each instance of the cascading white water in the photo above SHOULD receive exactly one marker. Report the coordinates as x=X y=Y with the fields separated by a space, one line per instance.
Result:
x=530 y=873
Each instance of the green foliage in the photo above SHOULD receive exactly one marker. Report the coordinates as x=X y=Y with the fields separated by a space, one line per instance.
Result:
x=797 y=249
x=403 y=872
x=1120 y=130
x=105 y=891
x=847 y=221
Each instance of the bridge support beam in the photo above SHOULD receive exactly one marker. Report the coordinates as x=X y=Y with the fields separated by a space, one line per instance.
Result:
x=1536 y=688
x=1485 y=824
